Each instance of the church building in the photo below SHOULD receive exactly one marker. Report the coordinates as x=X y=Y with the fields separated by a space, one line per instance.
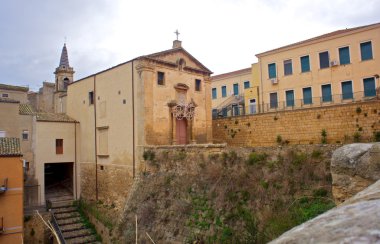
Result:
x=157 y=99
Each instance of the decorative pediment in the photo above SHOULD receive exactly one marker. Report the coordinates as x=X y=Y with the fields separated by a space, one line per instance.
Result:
x=181 y=86
x=180 y=58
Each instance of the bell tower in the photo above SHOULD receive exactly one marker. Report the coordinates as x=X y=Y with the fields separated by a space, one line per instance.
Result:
x=64 y=74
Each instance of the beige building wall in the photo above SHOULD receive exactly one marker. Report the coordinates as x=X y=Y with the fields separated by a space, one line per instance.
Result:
x=45 y=148
x=16 y=93
x=355 y=71
x=228 y=80
x=14 y=125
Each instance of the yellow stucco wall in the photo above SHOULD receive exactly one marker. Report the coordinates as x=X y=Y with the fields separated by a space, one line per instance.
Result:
x=11 y=201
x=253 y=91
x=356 y=71
x=45 y=148
x=228 y=80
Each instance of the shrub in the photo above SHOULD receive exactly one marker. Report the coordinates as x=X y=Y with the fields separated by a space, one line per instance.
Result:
x=357 y=136
x=255 y=158
x=149 y=155
x=316 y=154
x=321 y=192
x=324 y=136
x=376 y=136
x=358 y=110
x=279 y=139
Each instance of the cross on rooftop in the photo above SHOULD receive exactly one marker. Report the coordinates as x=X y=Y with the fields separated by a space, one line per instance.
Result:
x=177 y=33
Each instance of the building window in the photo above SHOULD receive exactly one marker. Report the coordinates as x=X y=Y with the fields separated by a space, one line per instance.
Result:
x=307 y=96
x=236 y=89
x=347 y=90
x=160 y=78
x=197 y=85
x=366 y=50
x=91 y=97
x=273 y=100
x=224 y=91
x=246 y=84
x=369 y=87
x=25 y=135
x=214 y=93
x=324 y=60
x=305 y=64
x=289 y=98
x=326 y=93
x=344 y=55
x=2 y=133
x=58 y=146
x=288 y=69
x=272 y=70
x=5 y=95
x=214 y=113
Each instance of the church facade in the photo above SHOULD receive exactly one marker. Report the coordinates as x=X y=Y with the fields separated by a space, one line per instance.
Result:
x=157 y=99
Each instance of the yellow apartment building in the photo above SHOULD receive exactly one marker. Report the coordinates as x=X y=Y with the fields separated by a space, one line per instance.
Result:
x=338 y=67
x=227 y=92
x=11 y=191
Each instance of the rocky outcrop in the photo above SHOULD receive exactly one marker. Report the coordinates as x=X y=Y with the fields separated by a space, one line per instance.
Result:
x=355 y=221
x=353 y=168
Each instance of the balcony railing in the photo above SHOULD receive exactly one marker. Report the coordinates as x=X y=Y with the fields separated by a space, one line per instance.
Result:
x=293 y=104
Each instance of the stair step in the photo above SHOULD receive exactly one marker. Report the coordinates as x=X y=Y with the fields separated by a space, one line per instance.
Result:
x=77 y=233
x=72 y=227
x=69 y=221
x=62 y=204
x=82 y=240
x=61 y=198
x=59 y=216
x=61 y=210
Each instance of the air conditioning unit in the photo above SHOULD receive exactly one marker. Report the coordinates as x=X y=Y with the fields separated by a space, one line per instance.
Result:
x=333 y=63
x=274 y=81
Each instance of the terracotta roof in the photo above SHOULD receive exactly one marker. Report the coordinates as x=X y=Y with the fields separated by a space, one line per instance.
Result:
x=8 y=100
x=328 y=35
x=54 y=117
x=233 y=73
x=10 y=146
x=26 y=109
x=13 y=88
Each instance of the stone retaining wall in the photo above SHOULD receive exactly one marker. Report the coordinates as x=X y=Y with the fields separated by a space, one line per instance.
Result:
x=342 y=124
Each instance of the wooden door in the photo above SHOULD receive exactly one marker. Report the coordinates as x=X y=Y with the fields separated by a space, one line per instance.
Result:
x=182 y=131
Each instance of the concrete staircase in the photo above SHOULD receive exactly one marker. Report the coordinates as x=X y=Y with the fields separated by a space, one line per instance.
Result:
x=71 y=224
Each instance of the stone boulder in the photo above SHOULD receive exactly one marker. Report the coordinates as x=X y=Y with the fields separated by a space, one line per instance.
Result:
x=353 y=168
x=355 y=221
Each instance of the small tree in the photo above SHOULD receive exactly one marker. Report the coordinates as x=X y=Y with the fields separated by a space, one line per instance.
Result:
x=324 y=136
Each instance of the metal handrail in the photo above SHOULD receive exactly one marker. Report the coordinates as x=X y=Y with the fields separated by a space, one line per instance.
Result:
x=57 y=229
x=312 y=102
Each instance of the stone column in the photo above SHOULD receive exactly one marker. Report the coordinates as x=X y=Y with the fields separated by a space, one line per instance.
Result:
x=174 y=127
x=192 y=138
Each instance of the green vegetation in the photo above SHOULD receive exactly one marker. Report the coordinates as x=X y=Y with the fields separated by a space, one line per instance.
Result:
x=376 y=136
x=279 y=139
x=233 y=196
x=358 y=110
x=149 y=155
x=324 y=136
x=357 y=136
x=256 y=158
x=85 y=208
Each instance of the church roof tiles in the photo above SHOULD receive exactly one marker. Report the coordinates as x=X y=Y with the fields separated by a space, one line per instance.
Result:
x=10 y=146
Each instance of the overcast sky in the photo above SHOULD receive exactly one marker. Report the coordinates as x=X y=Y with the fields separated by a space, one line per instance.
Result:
x=224 y=35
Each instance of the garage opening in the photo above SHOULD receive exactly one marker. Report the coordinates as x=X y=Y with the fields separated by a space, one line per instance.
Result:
x=59 y=181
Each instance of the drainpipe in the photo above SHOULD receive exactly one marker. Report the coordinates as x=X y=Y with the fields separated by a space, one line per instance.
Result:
x=261 y=82
x=96 y=143
x=133 y=120
x=75 y=160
